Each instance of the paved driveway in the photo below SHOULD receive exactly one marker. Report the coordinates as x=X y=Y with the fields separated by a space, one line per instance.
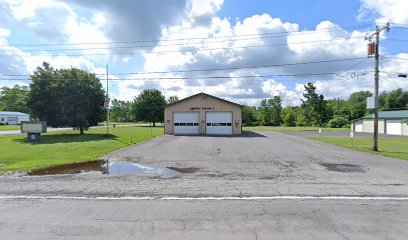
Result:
x=268 y=163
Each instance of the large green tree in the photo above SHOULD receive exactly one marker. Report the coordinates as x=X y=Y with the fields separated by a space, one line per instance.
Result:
x=357 y=104
x=149 y=106
x=288 y=116
x=67 y=97
x=248 y=115
x=121 y=111
x=314 y=107
x=15 y=99
x=269 y=111
x=394 y=100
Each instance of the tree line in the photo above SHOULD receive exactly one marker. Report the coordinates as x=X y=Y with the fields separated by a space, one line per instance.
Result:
x=316 y=111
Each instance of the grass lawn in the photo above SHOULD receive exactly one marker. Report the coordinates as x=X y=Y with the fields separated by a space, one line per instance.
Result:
x=57 y=148
x=294 y=129
x=388 y=147
x=9 y=127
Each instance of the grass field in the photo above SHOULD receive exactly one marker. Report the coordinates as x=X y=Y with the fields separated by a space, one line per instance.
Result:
x=388 y=147
x=294 y=129
x=57 y=148
x=9 y=127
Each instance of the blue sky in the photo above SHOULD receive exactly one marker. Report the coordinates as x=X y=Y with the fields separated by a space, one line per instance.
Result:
x=300 y=41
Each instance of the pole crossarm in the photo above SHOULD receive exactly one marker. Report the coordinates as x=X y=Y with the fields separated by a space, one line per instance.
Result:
x=378 y=30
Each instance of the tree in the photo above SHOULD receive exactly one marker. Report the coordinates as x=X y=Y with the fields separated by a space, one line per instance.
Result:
x=394 y=99
x=172 y=99
x=357 y=104
x=149 y=106
x=264 y=117
x=314 y=107
x=67 y=97
x=269 y=111
x=248 y=115
x=338 y=122
x=288 y=116
x=15 y=99
x=275 y=108
x=121 y=111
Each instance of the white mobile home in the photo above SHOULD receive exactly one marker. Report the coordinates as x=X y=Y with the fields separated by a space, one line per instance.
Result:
x=13 y=118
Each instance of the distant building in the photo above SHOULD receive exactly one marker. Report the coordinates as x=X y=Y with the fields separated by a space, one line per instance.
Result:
x=389 y=122
x=13 y=118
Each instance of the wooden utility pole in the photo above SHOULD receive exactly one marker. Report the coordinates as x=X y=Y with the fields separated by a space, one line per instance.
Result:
x=107 y=99
x=376 y=78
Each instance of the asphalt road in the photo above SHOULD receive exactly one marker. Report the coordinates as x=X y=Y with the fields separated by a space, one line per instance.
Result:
x=353 y=195
x=199 y=219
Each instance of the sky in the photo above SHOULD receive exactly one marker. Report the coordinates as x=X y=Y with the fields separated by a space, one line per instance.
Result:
x=239 y=50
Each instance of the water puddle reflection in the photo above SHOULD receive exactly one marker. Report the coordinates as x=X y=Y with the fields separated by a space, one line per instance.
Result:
x=110 y=168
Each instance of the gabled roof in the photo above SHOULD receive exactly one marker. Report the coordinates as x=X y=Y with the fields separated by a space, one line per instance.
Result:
x=399 y=114
x=14 y=113
x=203 y=94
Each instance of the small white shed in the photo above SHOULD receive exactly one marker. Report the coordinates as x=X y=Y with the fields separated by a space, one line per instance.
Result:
x=13 y=118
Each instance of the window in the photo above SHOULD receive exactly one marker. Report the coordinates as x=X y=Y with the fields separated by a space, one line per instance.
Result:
x=186 y=124
x=2 y=119
x=219 y=124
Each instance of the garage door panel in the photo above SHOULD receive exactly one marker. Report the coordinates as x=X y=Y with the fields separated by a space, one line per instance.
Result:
x=358 y=127
x=186 y=123
x=219 y=123
x=394 y=127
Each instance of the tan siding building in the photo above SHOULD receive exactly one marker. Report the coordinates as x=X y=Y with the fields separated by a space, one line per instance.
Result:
x=203 y=114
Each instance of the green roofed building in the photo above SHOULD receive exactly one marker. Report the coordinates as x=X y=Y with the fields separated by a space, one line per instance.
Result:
x=389 y=122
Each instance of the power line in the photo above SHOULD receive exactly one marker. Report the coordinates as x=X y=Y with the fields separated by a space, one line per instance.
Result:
x=305 y=32
x=222 y=69
x=176 y=44
x=174 y=51
x=203 y=77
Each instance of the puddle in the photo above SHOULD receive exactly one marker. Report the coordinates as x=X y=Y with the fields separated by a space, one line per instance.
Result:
x=110 y=168
x=99 y=166
x=343 y=167
x=115 y=168
x=184 y=170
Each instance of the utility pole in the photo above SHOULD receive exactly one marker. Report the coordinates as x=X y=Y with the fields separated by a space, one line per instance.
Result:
x=338 y=111
x=107 y=99
x=376 y=78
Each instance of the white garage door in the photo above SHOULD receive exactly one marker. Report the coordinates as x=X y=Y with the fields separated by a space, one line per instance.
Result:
x=394 y=127
x=186 y=123
x=12 y=120
x=358 y=126
x=219 y=123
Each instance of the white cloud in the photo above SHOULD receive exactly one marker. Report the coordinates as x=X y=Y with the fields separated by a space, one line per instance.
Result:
x=254 y=41
x=384 y=11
